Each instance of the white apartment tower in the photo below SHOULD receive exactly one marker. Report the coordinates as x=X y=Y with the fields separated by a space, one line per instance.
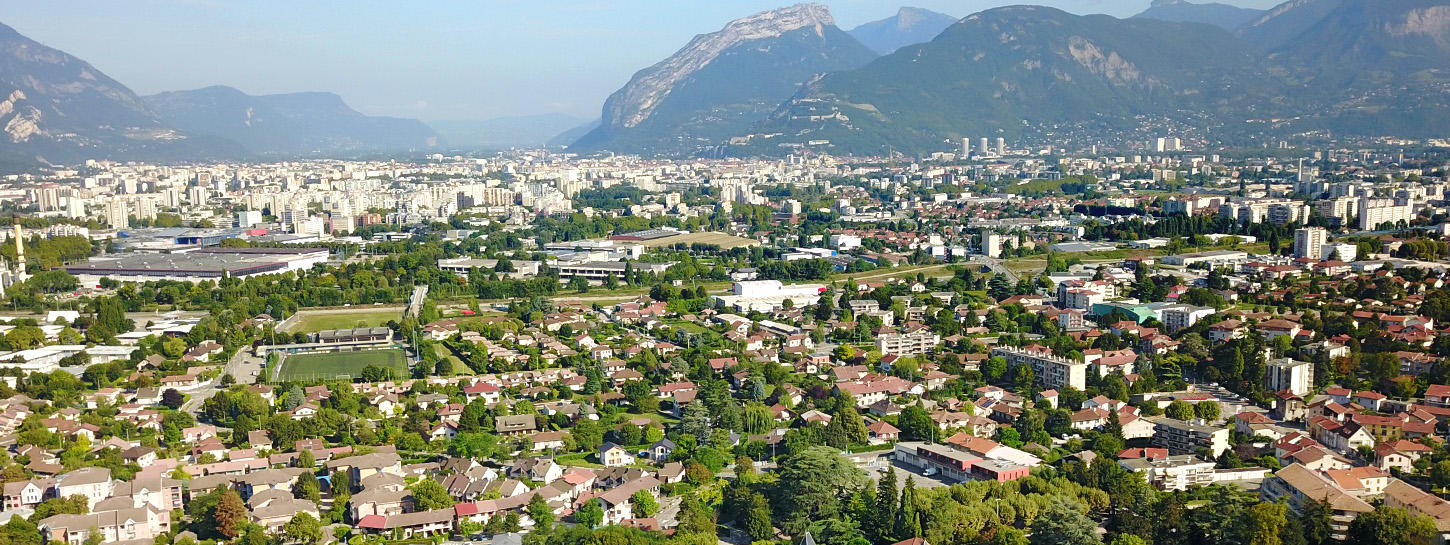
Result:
x=1286 y=374
x=991 y=244
x=1309 y=242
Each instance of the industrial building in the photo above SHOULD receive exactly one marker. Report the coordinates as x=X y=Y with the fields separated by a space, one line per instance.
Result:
x=769 y=295
x=196 y=265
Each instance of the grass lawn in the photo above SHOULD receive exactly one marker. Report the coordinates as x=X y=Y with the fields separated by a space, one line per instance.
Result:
x=906 y=272
x=336 y=365
x=687 y=326
x=346 y=319
x=459 y=368
x=577 y=459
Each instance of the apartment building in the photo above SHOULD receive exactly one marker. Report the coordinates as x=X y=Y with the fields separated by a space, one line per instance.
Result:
x=1287 y=374
x=1179 y=317
x=1053 y=371
x=1309 y=242
x=1298 y=485
x=1181 y=437
x=1172 y=472
x=907 y=344
x=1374 y=212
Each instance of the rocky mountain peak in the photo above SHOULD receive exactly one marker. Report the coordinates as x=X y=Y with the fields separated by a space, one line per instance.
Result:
x=638 y=99
x=908 y=17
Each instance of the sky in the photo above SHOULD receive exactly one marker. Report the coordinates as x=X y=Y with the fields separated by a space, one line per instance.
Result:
x=425 y=59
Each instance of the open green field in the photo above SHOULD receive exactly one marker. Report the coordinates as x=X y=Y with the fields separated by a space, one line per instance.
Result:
x=338 y=365
x=459 y=368
x=320 y=320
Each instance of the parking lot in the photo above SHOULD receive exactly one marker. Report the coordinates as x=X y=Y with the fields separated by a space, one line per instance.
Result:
x=875 y=463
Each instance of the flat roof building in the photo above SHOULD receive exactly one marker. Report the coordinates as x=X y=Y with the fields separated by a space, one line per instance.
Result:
x=196 y=265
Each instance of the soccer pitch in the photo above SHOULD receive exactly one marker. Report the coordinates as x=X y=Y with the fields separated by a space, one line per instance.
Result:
x=340 y=365
x=319 y=320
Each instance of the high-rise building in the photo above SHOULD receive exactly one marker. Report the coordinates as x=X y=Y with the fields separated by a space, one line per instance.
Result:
x=1001 y=146
x=1287 y=374
x=991 y=244
x=1309 y=241
x=982 y=145
x=117 y=215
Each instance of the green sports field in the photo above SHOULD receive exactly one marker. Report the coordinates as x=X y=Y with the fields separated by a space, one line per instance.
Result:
x=340 y=365
x=310 y=321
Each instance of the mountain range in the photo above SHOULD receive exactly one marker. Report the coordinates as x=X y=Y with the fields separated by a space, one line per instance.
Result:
x=721 y=83
x=56 y=108
x=287 y=124
x=1305 y=68
x=1220 y=15
x=789 y=79
x=908 y=26
x=1009 y=70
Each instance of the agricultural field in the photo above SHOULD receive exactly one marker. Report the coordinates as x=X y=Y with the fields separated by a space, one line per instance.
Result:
x=338 y=365
x=724 y=241
x=308 y=321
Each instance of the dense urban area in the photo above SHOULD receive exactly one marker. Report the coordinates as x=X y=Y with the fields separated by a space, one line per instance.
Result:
x=995 y=346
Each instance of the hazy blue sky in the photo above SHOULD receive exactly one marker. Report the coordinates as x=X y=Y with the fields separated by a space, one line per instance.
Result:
x=426 y=59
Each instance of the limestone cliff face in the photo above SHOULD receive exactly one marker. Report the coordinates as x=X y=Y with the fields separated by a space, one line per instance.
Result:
x=721 y=82
x=50 y=93
x=631 y=105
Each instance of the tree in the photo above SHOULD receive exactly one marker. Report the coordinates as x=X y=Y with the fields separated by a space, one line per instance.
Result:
x=1179 y=410
x=916 y=424
x=1007 y=535
x=1314 y=522
x=696 y=421
x=542 y=514
x=1265 y=523
x=813 y=483
x=846 y=428
x=303 y=528
x=643 y=504
x=376 y=373
x=305 y=459
x=25 y=337
x=590 y=515
x=1127 y=539
x=69 y=505
x=1391 y=526
x=172 y=399
x=883 y=514
x=1061 y=523
x=1440 y=473
x=908 y=518
x=756 y=516
x=1208 y=410
x=428 y=494
x=308 y=488
x=996 y=367
x=230 y=513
